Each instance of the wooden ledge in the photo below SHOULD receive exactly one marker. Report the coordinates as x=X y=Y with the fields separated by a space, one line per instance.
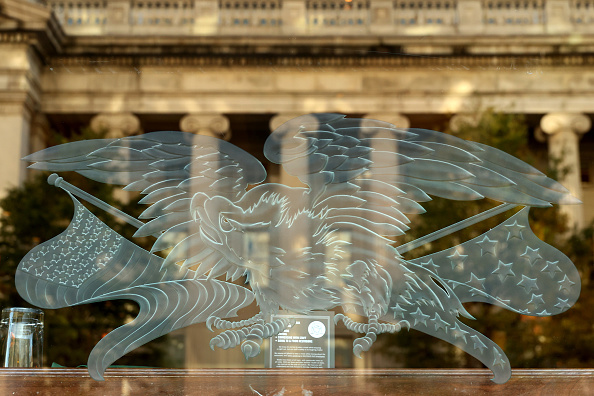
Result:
x=282 y=382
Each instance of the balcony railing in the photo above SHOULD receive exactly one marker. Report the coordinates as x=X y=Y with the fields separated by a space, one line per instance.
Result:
x=76 y=15
x=429 y=13
x=157 y=14
x=263 y=14
x=504 y=12
x=582 y=12
x=337 y=13
x=323 y=17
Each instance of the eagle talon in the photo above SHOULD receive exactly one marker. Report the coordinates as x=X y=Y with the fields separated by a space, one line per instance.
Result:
x=357 y=349
x=403 y=323
x=210 y=321
x=338 y=318
x=215 y=342
x=222 y=324
x=363 y=344
x=250 y=349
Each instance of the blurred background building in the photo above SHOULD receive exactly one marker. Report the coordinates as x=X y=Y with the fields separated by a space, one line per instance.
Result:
x=236 y=69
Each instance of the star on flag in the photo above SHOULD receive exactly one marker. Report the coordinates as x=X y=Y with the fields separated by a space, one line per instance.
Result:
x=419 y=317
x=459 y=332
x=504 y=270
x=487 y=246
x=508 y=266
x=457 y=259
x=514 y=230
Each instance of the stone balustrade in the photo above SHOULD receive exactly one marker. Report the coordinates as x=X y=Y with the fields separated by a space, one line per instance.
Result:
x=582 y=13
x=315 y=17
x=336 y=13
x=79 y=17
x=425 y=13
x=166 y=14
x=522 y=13
x=254 y=14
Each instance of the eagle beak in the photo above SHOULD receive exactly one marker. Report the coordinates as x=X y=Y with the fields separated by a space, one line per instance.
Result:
x=207 y=233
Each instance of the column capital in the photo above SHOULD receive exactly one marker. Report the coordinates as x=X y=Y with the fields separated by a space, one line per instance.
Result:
x=461 y=120
x=281 y=118
x=577 y=123
x=208 y=124
x=117 y=125
x=396 y=119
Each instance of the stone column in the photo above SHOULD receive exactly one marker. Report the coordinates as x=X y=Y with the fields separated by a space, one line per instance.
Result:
x=380 y=146
x=564 y=131
x=19 y=100
x=115 y=124
x=28 y=32
x=283 y=176
x=215 y=125
x=14 y=139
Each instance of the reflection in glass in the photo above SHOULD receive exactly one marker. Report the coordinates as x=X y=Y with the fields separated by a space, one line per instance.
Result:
x=326 y=245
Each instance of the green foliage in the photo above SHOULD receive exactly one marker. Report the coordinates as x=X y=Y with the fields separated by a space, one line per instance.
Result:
x=564 y=340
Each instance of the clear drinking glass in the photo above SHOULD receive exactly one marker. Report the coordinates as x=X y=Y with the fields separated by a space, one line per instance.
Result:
x=21 y=336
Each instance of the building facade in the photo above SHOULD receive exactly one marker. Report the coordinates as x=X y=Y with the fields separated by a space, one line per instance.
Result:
x=225 y=67
x=235 y=69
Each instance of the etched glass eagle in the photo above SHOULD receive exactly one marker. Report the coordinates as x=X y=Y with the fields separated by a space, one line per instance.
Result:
x=327 y=245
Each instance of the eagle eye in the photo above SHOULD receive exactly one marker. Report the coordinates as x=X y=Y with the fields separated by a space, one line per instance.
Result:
x=225 y=224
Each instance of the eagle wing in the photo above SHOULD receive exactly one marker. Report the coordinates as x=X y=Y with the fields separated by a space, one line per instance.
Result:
x=364 y=170
x=168 y=168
